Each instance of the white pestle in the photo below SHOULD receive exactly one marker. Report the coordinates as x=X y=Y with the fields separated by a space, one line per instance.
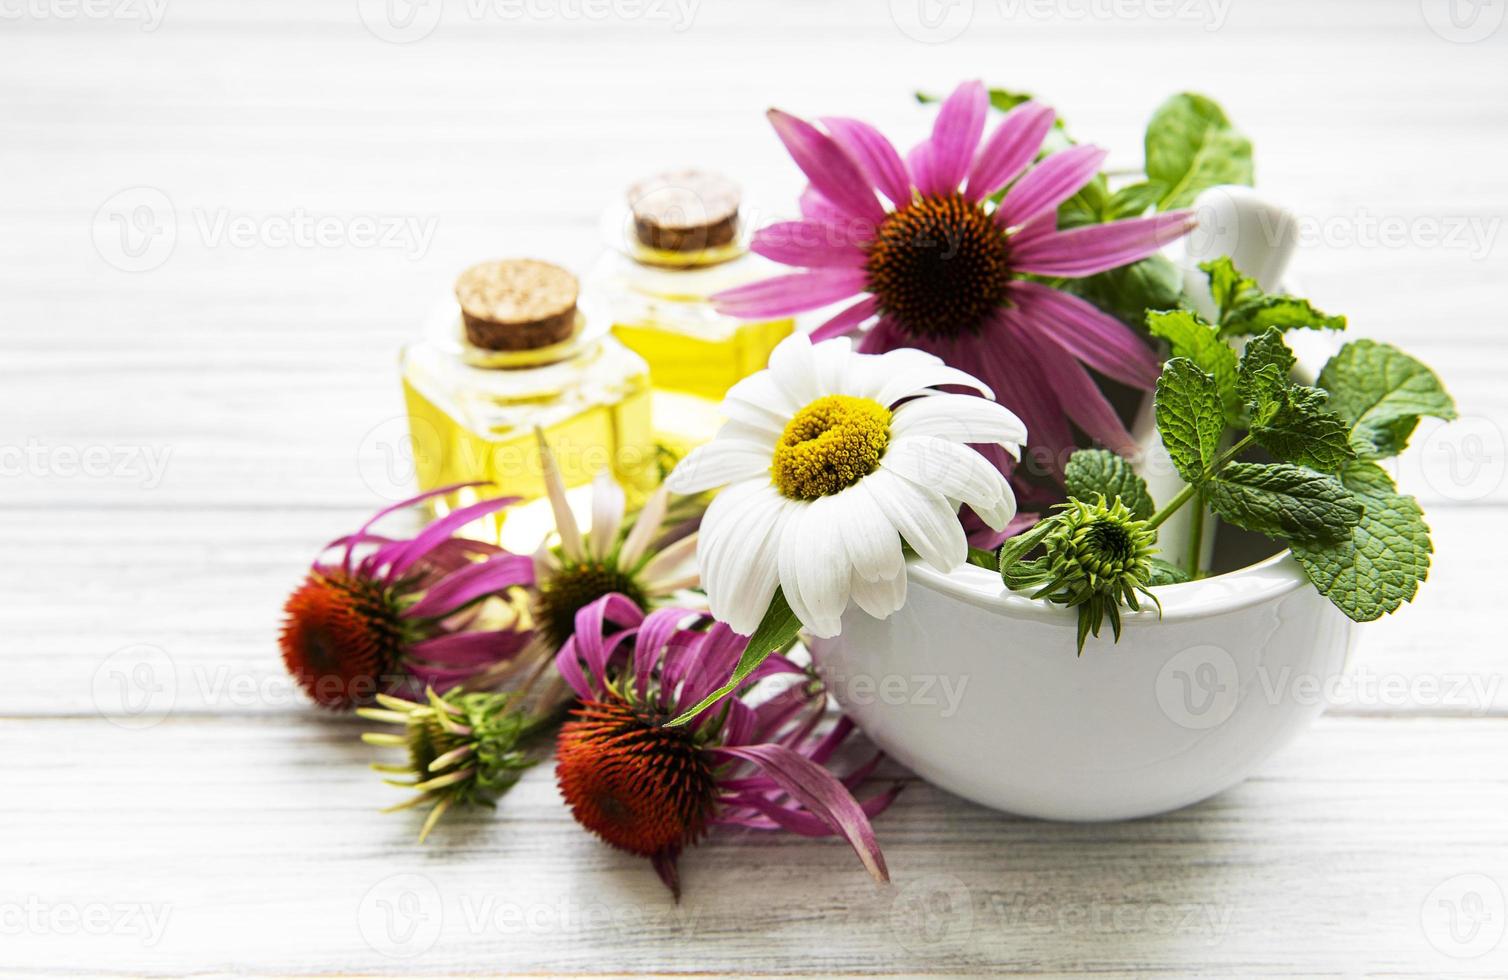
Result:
x=1260 y=237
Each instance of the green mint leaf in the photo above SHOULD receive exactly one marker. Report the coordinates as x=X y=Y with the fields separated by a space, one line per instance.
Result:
x=1089 y=206
x=1129 y=292
x=1189 y=336
x=1092 y=471
x=1245 y=310
x=1132 y=201
x=778 y=627
x=1256 y=314
x=1284 y=501
x=1296 y=428
x=1380 y=565
x=1265 y=368
x=1191 y=146
x=1382 y=392
x=1190 y=418
x=1227 y=285
x=1166 y=573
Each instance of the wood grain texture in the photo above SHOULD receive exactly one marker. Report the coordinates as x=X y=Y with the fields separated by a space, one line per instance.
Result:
x=235 y=402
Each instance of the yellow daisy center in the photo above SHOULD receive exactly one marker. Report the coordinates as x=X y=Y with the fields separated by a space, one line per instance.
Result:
x=830 y=445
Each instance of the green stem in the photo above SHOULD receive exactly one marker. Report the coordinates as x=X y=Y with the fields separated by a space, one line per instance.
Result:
x=1189 y=489
x=1196 y=537
x=1172 y=506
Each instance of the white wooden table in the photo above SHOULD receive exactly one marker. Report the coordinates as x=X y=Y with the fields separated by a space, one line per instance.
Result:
x=185 y=417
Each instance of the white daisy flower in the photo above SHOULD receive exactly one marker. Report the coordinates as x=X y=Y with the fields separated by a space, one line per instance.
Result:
x=827 y=474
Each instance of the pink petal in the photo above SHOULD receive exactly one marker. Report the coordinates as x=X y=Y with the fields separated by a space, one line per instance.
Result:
x=1093 y=336
x=439 y=531
x=795 y=293
x=361 y=533
x=827 y=166
x=919 y=162
x=785 y=817
x=847 y=320
x=808 y=243
x=590 y=623
x=656 y=630
x=472 y=582
x=1049 y=184
x=1012 y=369
x=471 y=649
x=815 y=207
x=820 y=792
x=1094 y=248
x=1080 y=397
x=956 y=133
x=1014 y=144
x=875 y=154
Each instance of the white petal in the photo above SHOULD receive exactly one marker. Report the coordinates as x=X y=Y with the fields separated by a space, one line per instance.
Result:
x=957 y=472
x=758 y=401
x=897 y=374
x=718 y=463
x=646 y=526
x=814 y=569
x=882 y=597
x=793 y=367
x=739 y=552
x=869 y=537
x=608 y=506
x=565 y=519
x=671 y=561
x=733 y=429
x=961 y=418
x=923 y=517
x=813 y=552
x=835 y=360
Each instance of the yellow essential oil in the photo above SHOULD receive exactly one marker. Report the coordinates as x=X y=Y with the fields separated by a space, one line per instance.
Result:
x=679 y=242
x=473 y=411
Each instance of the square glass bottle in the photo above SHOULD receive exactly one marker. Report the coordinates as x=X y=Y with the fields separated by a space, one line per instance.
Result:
x=678 y=241
x=517 y=356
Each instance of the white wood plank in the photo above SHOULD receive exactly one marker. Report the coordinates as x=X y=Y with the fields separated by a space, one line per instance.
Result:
x=257 y=844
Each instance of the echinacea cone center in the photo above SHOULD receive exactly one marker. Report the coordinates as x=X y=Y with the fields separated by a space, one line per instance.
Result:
x=342 y=638
x=566 y=592
x=636 y=784
x=830 y=445
x=939 y=267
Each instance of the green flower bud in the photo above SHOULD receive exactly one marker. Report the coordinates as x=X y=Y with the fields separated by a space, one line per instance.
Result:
x=1096 y=557
x=462 y=749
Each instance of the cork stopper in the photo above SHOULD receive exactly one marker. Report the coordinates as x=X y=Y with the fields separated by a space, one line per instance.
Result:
x=517 y=304
x=685 y=210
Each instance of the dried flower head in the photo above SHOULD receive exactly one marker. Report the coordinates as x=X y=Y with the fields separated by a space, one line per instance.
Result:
x=465 y=749
x=654 y=790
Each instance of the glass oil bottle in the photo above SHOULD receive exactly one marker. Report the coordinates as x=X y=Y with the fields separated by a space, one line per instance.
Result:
x=520 y=355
